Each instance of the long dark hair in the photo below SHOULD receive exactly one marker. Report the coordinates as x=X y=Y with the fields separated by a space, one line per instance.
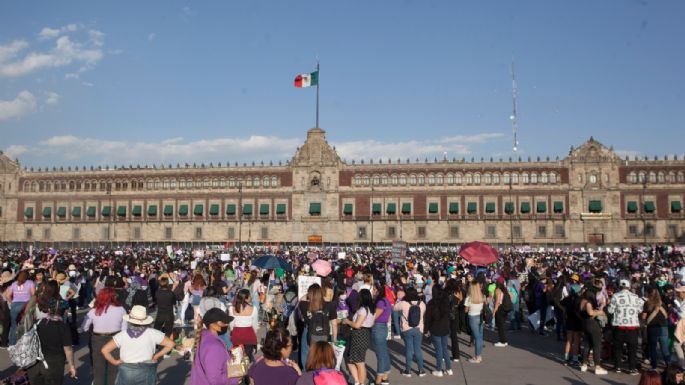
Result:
x=380 y=292
x=439 y=302
x=241 y=299
x=366 y=301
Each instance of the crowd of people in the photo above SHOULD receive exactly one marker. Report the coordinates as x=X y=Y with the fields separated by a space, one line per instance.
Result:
x=620 y=309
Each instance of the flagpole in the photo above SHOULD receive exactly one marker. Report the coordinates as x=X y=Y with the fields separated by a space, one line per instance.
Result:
x=318 y=77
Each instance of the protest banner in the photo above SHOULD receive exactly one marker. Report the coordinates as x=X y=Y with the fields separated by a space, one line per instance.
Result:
x=399 y=251
x=303 y=283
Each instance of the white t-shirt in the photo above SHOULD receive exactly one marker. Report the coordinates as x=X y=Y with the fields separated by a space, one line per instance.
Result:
x=474 y=308
x=363 y=312
x=141 y=349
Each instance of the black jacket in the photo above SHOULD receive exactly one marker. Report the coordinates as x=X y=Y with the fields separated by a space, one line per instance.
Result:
x=434 y=322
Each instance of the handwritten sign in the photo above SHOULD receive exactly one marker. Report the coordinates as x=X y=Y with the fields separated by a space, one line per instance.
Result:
x=303 y=283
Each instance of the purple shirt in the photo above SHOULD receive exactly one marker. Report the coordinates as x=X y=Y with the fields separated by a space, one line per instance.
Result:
x=384 y=304
x=209 y=365
x=22 y=293
x=262 y=374
x=110 y=321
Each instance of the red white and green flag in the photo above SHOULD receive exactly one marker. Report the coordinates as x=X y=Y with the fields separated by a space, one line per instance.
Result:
x=307 y=80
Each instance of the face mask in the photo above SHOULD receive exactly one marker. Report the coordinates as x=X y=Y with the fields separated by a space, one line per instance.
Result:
x=223 y=330
x=72 y=273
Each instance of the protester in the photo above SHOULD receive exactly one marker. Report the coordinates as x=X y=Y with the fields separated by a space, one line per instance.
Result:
x=137 y=345
x=474 y=307
x=454 y=290
x=165 y=299
x=211 y=357
x=589 y=311
x=360 y=336
x=379 y=334
x=437 y=324
x=275 y=367
x=501 y=309
x=106 y=319
x=17 y=295
x=320 y=367
x=411 y=323
x=656 y=319
x=625 y=307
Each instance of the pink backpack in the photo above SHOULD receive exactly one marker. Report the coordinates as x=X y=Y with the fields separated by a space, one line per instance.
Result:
x=329 y=377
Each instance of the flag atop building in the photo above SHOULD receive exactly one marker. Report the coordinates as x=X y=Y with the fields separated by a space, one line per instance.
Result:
x=307 y=80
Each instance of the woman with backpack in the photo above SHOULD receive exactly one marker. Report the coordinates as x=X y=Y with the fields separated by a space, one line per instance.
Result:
x=437 y=323
x=197 y=288
x=245 y=323
x=656 y=319
x=411 y=323
x=360 y=336
x=502 y=307
x=454 y=291
x=316 y=317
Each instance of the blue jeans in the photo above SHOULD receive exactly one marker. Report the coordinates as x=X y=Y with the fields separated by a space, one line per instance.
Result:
x=304 y=346
x=15 y=309
x=379 y=337
x=442 y=352
x=396 y=323
x=412 y=348
x=137 y=374
x=658 y=335
x=515 y=318
x=477 y=333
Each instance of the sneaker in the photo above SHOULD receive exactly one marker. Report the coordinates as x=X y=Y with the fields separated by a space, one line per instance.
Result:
x=600 y=371
x=501 y=344
x=397 y=337
x=633 y=372
x=449 y=372
x=455 y=360
x=583 y=368
x=474 y=360
x=385 y=382
x=436 y=373
x=422 y=373
x=406 y=373
x=618 y=370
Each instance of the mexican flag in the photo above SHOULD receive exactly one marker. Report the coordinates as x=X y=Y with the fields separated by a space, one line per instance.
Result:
x=307 y=80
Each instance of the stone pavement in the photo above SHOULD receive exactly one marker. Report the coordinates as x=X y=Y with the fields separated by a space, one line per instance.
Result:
x=530 y=359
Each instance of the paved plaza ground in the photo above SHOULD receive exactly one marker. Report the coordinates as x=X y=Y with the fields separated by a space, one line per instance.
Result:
x=530 y=359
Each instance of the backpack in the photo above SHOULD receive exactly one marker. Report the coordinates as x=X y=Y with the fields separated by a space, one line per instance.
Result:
x=486 y=314
x=329 y=377
x=318 y=324
x=195 y=299
x=414 y=315
x=513 y=294
x=454 y=309
x=506 y=304
x=27 y=351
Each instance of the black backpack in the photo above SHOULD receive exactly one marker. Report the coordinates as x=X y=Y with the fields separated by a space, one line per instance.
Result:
x=506 y=304
x=414 y=316
x=454 y=309
x=318 y=324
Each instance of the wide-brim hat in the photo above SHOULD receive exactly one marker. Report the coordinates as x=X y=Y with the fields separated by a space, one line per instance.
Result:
x=5 y=277
x=138 y=316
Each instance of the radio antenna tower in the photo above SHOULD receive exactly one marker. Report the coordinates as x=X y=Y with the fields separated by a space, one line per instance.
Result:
x=514 y=117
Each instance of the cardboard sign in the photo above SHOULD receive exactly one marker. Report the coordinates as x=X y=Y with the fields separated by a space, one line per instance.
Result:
x=225 y=257
x=303 y=283
x=170 y=251
x=342 y=255
x=399 y=251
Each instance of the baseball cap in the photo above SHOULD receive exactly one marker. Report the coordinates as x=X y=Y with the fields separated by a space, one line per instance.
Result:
x=216 y=315
x=624 y=283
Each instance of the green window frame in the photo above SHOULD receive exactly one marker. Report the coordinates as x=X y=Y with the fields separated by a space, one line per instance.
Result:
x=376 y=209
x=509 y=207
x=314 y=208
x=472 y=208
x=91 y=212
x=76 y=211
x=595 y=206
x=525 y=207
x=406 y=208
x=62 y=212
x=47 y=212
x=631 y=207
x=676 y=207
x=121 y=211
x=264 y=209
x=280 y=209
x=347 y=209
x=168 y=210
x=558 y=207
x=183 y=210
x=152 y=210
x=541 y=207
x=391 y=208
x=230 y=209
x=214 y=209
x=106 y=211
x=650 y=207
x=137 y=211
x=28 y=212
x=433 y=208
x=247 y=209
x=199 y=210
x=454 y=208
x=490 y=207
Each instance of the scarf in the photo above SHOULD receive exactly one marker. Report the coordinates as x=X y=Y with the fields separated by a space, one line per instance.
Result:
x=135 y=331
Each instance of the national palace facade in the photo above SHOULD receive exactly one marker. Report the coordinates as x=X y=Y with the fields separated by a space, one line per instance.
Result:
x=592 y=196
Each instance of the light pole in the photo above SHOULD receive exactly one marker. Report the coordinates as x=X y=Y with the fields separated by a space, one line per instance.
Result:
x=372 y=189
x=511 y=216
x=240 y=215
x=111 y=212
x=642 y=212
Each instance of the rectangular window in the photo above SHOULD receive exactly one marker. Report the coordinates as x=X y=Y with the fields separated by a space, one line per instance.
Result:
x=76 y=233
x=632 y=230
x=136 y=233
x=516 y=231
x=454 y=232
x=559 y=231
x=392 y=231
x=650 y=231
x=491 y=231
x=361 y=232
x=421 y=232
x=105 y=233
x=198 y=233
x=231 y=233
x=672 y=231
x=168 y=232
x=265 y=232
x=542 y=231
x=29 y=233
x=46 y=234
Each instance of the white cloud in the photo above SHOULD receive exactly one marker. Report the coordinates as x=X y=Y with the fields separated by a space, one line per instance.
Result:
x=14 y=151
x=253 y=148
x=10 y=51
x=51 y=97
x=51 y=33
x=152 y=36
x=23 y=104
x=87 y=53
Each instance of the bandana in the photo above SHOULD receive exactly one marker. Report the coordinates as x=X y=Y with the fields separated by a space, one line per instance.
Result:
x=135 y=331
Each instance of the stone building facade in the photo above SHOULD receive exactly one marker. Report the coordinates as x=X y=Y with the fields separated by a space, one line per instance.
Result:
x=591 y=196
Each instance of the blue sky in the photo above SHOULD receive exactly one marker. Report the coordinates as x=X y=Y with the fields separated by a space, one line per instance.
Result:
x=128 y=82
